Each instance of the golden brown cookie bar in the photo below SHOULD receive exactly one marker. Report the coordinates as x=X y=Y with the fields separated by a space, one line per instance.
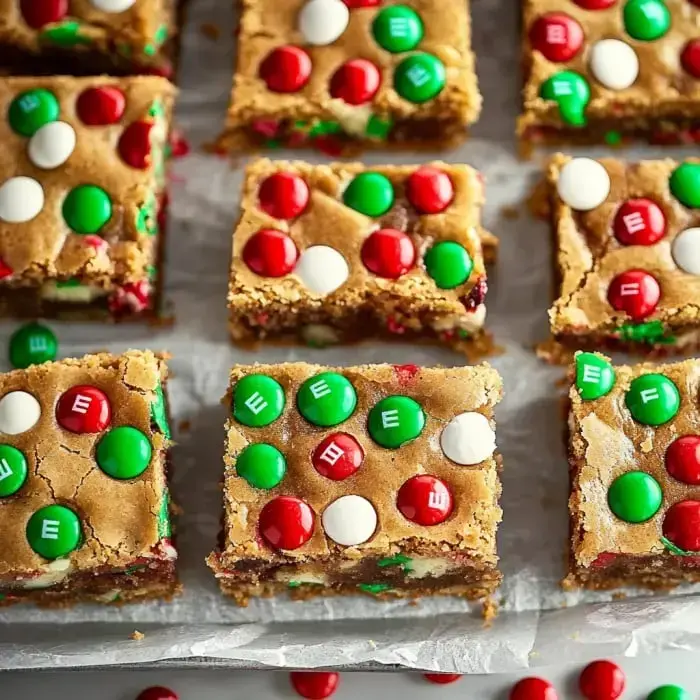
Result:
x=634 y=452
x=82 y=189
x=627 y=237
x=89 y=37
x=84 y=505
x=340 y=253
x=378 y=479
x=342 y=75
x=609 y=71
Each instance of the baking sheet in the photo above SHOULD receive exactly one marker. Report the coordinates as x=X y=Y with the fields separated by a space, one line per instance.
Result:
x=538 y=623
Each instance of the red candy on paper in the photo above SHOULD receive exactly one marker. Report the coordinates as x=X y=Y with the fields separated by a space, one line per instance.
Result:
x=84 y=409
x=690 y=57
x=388 y=253
x=682 y=525
x=356 y=81
x=38 y=13
x=270 y=253
x=557 y=36
x=99 y=106
x=286 y=69
x=135 y=144
x=338 y=456
x=157 y=692
x=635 y=292
x=533 y=689
x=683 y=459
x=425 y=500
x=314 y=685
x=286 y=522
x=284 y=195
x=639 y=222
x=442 y=678
x=595 y=4
x=601 y=680
x=430 y=190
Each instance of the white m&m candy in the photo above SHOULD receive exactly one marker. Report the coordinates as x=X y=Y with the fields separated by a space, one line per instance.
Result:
x=322 y=269
x=686 y=250
x=321 y=22
x=468 y=438
x=52 y=145
x=112 y=6
x=19 y=411
x=614 y=64
x=21 y=199
x=583 y=184
x=350 y=520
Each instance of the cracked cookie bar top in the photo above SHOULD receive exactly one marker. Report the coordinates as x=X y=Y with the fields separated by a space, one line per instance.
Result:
x=84 y=504
x=339 y=253
x=88 y=37
x=627 y=237
x=634 y=453
x=377 y=479
x=342 y=75
x=82 y=191
x=607 y=71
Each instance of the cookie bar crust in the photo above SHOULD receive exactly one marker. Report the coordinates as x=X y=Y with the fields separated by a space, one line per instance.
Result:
x=312 y=283
x=633 y=433
x=87 y=159
x=626 y=254
x=87 y=439
x=295 y=85
x=628 y=71
x=90 y=37
x=383 y=509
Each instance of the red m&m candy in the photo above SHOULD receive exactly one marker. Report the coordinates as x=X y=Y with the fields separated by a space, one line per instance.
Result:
x=270 y=253
x=388 y=253
x=284 y=195
x=430 y=190
x=338 y=456
x=356 y=81
x=356 y=4
x=635 y=292
x=690 y=57
x=556 y=36
x=639 y=222
x=84 y=409
x=533 y=689
x=314 y=685
x=425 y=500
x=99 y=106
x=683 y=459
x=37 y=13
x=602 y=680
x=135 y=144
x=157 y=692
x=442 y=678
x=595 y=4
x=682 y=525
x=286 y=69
x=286 y=522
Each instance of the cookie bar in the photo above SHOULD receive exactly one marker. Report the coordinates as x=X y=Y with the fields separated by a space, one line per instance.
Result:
x=340 y=253
x=89 y=37
x=82 y=188
x=342 y=75
x=634 y=452
x=608 y=71
x=377 y=479
x=627 y=237
x=84 y=505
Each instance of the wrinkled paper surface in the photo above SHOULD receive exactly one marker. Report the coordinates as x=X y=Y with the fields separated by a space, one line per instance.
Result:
x=538 y=623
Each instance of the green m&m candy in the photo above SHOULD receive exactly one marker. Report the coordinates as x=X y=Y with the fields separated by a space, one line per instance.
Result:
x=668 y=692
x=371 y=194
x=53 y=531
x=646 y=20
x=32 y=344
x=595 y=376
x=87 y=208
x=326 y=399
x=258 y=400
x=263 y=466
x=572 y=94
x=635 y=497
x=449 y=264
x=395 y=420
x=398 y=28
x=685 y=184
x=652 y=399
x=124 y=453
x=65 y=34
x=420 y=77
x=31 y=110
x=13 y=470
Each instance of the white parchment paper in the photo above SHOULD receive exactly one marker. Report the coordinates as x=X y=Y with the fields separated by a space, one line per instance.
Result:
x=538 y=624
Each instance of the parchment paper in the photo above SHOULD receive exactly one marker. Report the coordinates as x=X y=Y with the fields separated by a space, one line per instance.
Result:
x=538 y=624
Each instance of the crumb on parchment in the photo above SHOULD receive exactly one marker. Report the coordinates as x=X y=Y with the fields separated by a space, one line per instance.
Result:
x=489 y=611
x=137 y=636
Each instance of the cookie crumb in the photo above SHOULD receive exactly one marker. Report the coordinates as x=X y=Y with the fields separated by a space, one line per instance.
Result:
x=184 y=426
x=647 y=445
x=510 y=213
x=210 y=30
x=489 y=611
x=137 y=636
